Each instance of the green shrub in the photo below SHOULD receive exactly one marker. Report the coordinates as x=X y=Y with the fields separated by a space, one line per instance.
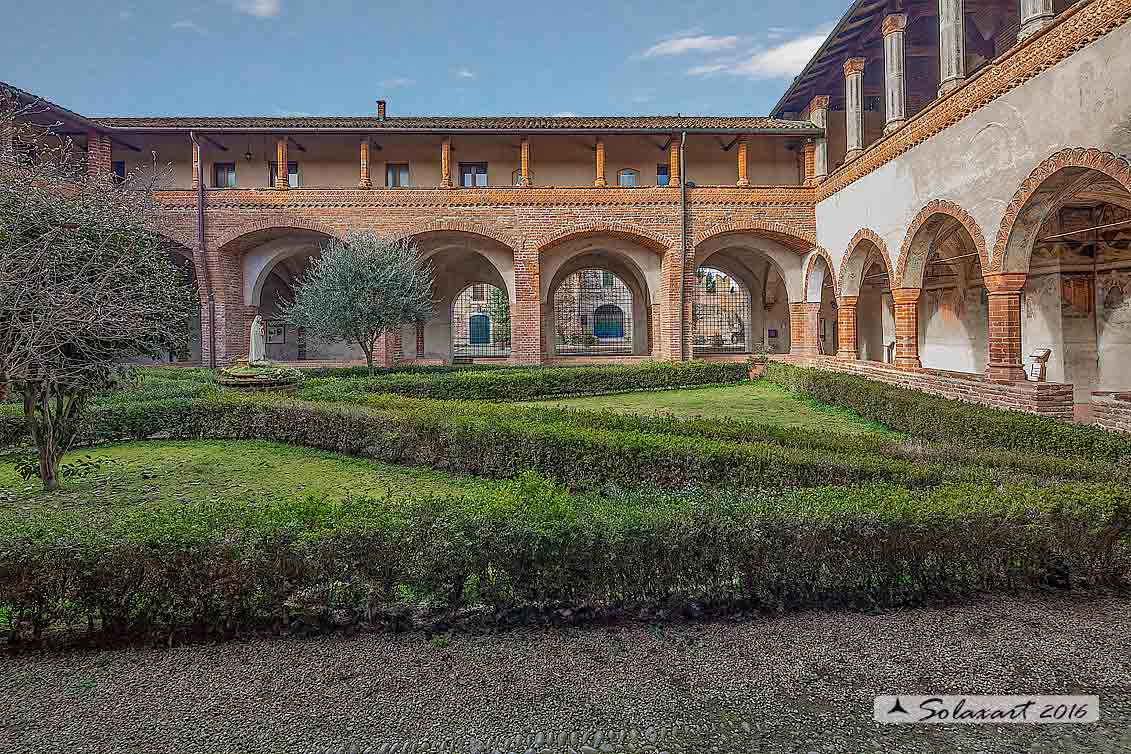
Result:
x=948 y=421
x=209 y=571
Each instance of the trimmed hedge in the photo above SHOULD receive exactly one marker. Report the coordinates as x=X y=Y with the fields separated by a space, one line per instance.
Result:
x=205 y=571
x=942 y=420
x=520 y=384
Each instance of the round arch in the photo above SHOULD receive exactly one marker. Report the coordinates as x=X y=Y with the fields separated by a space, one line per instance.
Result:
x=487 y=231
x=798 y=240
x=621 y=231
x=253 y=232
x=818 y=265
x=864 y=246
x=937 y=218
x=1058 y=176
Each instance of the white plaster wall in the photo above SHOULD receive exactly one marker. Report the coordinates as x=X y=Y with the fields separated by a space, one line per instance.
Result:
x=872 y=310
x=980 y=162
x=953 y=329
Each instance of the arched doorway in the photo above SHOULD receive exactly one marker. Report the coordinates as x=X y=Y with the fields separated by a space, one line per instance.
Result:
x=481 y=324
x=864 y=276
x=593 y=314
x=721 y=314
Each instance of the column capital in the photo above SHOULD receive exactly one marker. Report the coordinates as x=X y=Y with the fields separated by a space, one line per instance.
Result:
x=854 y=65
x=1005 y=283
x=820 y=102
x=894 y=23
x=847 y=301
x=905 y=295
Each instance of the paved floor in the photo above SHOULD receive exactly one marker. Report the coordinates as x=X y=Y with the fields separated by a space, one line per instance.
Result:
x=798 y=683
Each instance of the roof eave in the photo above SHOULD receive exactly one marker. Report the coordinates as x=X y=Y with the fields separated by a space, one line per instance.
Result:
x=781 y=131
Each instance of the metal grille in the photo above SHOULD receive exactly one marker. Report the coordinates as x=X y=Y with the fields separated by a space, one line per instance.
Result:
x=720 y=313
x=481 y=323
x=593 y=314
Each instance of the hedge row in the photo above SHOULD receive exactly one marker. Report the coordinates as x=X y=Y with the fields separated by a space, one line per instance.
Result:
x=526 y=384
x=208 y=571
x=942 y=420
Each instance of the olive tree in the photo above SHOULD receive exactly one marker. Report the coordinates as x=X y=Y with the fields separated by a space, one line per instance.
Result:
x=360 y=288
x=85 y=283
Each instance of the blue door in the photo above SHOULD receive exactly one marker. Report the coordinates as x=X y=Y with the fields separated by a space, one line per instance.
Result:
x=480 y=327
x=608 y=321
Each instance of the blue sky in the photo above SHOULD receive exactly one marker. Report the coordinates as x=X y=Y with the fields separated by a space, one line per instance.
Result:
x=335 y=57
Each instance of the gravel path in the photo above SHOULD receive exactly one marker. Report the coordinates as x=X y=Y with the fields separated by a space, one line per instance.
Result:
x=798 y=683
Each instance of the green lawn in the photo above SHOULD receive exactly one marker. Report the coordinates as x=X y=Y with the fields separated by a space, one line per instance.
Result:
x=236 y=472
x=760 y=401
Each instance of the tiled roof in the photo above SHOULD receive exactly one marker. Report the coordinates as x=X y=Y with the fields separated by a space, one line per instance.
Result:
x=507 y=123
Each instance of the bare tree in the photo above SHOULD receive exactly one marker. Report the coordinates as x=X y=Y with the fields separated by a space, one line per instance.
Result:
x=360 y=288
x=85 y=283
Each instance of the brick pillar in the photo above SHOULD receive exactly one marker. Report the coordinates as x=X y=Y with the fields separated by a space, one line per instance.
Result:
x=526 y=314
x=808 y=162
x=895 y=85
x=524 y=161
x=846 y=328
x=803 y=328
x=387 y=351
x=1035 y=15
x=906 y=327
x=599 y=181
x=743 y=181
x=854 y=107
x=446 y=163
x=819 y=117
x=282 y=174
x=97 y=154
x=363 y=181
x=1005 y=327
x=419 y=340
x=952 y=45
x=673 y=163
x=195 y=166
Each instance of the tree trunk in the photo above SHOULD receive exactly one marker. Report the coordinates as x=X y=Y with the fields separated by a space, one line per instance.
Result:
x=368 y=349
x=48 y=460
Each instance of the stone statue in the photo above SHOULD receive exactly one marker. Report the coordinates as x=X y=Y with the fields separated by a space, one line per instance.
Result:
x=258 y=350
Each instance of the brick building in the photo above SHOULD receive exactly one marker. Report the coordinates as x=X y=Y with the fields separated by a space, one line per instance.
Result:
x=942 y=191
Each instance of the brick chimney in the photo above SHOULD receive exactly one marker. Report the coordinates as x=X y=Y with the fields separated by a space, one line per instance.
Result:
x=380 y=109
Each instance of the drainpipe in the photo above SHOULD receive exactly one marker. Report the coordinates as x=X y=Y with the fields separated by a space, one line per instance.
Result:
x=683 y=249
x=200 y=246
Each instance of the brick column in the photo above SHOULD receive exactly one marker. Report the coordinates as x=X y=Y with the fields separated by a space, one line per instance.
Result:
x=854 y=107
x=446 y=162
x=97 y=154
x=282 y=174
x=906 y=327
x=743 y=181
x=803 y=329
x=1035 y=15
x=387 y=351
x=526 y=314
x=809 y=162
x=846 y=328
x=524 y=161
x=599 y=181
x=196 y=156
x=363 y=181
x=1005 y=327
x=819 y=117
x=673 y=163
x=419 y=340
x=895 y=85
x=952 y=45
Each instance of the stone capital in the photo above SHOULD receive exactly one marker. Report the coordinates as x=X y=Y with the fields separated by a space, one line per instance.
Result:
x=905 y=295
x=895 y=22
x=1005 y=283
x=820 y=102
x=854 y=65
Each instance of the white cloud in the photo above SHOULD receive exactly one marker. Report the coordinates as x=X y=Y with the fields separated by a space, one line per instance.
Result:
x=463 y=73
x=566 y=114
x=188 y=26
x=704 y=70
x=260 y=8
x=394 y=83
x=681 y=45
x=782 y=61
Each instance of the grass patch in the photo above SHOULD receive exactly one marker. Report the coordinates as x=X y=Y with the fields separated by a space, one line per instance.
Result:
x=762 y=402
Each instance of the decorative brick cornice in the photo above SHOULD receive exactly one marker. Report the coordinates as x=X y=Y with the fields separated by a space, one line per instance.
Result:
x=852 y=271
x=894 y=22
x=815 y=255
x=905 y=295
x=1081 y=24
x=228 y=242
x=854 y=65
x=801 y=241
x=654 y=241
x=920 y=246
x=1113 y=166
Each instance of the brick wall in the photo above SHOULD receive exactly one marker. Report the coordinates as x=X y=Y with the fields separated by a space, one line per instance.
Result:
x=1112 y=411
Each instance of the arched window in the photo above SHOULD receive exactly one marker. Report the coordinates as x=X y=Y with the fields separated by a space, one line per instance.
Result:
x=720 y=313
x=628 y=177
x=593 y=314
x=481 y=322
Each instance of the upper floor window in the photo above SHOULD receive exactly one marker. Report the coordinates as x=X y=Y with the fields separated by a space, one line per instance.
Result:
x=292 y=174
x=224 y=175
x=396 y=175
x=118 y=168
x=472 y=174
x=628 y=177
x=663 y=178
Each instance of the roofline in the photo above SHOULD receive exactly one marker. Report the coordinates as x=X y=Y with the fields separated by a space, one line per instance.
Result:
x=776 y=109
x=805 y=130
x=33 y=99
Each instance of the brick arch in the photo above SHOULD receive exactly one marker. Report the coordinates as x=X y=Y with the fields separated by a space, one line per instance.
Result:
x=852 y=266
x=916 y=245
x=1039 y=194
x=798 y=240
x=815 y=255
x=487 y=230
x=187 y=241
x=656 y=242
x=274 y=222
